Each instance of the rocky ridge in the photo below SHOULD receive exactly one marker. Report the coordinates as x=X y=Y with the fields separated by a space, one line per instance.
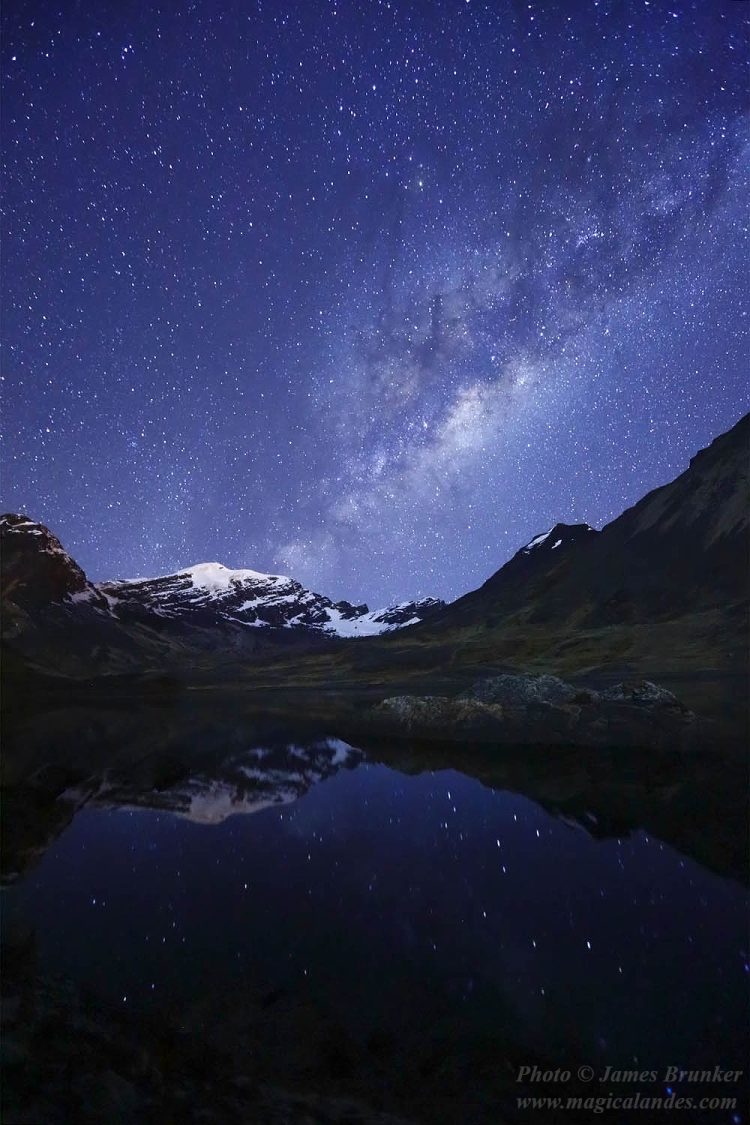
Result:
x=251 y=598
x=39 y=572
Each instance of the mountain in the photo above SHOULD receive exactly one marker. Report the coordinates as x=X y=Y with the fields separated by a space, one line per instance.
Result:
x=510 y=586
x=55 y=618
x=682 y=548
x=212 y=592
x=37 y=570
x=660 y=593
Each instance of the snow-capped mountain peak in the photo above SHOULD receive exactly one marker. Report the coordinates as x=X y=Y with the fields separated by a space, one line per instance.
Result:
x=251 y=598
x=212 y=576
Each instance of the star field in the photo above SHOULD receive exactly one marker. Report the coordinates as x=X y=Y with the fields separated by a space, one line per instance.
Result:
x=369 y=293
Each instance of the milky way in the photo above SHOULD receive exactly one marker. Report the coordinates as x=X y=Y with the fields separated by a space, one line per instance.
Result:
x=368 y=293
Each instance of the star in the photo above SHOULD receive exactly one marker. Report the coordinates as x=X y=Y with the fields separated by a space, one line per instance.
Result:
x=311 y=292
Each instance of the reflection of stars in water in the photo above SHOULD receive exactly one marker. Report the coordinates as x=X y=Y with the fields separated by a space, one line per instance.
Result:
x=414 y=868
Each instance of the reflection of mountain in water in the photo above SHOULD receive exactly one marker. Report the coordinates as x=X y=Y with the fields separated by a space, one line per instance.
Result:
x=196 y=763
x=245 y=783
x=209 y=763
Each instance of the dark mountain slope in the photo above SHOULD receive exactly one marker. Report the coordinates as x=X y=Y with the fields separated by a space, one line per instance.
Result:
x=523 y=580
x=682 y=548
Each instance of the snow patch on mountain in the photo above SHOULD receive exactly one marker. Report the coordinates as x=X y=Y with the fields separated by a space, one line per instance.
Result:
x=538 y=540
x=212 y=576
x=564 y=534
x=368 y=624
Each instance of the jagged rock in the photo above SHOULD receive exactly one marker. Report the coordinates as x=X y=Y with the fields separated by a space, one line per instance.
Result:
x=561 y=535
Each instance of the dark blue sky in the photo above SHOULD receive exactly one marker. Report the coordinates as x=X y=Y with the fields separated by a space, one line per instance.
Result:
x=368 y=293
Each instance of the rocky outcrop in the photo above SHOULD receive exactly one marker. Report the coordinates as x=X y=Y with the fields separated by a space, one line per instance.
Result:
x=36 y=567
x=544 y=710
x=641 y=691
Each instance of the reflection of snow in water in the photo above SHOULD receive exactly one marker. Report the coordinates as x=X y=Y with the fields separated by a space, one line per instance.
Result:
x=341 y=751
x=246 y=788
x=218 y=802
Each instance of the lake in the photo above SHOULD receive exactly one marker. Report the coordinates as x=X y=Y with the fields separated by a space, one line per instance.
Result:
x=410 y=937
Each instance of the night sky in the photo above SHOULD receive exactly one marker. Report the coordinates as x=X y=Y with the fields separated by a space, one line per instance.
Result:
x=367 y=293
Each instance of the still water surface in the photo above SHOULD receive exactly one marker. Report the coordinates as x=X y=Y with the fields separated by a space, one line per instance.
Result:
x=406 y=904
